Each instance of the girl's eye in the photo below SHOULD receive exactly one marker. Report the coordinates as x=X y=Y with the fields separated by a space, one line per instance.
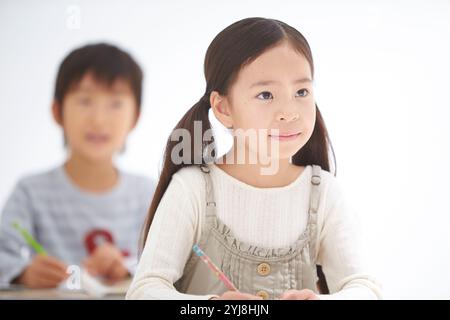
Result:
x=302 y=93
x=266 y=95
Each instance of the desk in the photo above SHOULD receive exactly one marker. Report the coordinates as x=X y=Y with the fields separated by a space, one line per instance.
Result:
x=118 y=292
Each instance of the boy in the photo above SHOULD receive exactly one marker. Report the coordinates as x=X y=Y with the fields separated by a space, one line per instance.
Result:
x=86 y=211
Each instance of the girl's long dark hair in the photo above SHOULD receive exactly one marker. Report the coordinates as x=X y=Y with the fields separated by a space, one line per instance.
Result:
x=233 y=48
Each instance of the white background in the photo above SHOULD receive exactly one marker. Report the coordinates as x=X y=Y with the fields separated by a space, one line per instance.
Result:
x=382 y=83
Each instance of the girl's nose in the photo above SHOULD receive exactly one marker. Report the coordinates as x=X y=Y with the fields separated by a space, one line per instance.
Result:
x=289 y=117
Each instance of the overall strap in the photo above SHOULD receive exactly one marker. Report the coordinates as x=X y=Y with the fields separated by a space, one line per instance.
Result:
x=313 y=207
x=209 y=191
x=322 y=285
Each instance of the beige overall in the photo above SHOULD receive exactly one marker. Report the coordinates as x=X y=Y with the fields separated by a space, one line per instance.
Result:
x=266 y=272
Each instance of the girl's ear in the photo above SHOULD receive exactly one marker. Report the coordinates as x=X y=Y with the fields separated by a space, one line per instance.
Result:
x=56 y=111
x=221 y=109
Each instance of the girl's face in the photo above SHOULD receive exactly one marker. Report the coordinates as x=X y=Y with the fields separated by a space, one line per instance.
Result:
x=97 y=118
x=273 y=93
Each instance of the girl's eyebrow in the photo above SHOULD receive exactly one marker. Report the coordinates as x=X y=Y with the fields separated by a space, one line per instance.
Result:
x=267 y=82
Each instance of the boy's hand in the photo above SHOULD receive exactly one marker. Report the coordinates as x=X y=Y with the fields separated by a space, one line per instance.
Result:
x=43 y=272
x=107 y=261
x=304 y=294
x=236 y=295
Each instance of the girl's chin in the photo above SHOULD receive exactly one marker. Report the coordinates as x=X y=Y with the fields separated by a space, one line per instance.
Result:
x=281 y=156
x=286 y=152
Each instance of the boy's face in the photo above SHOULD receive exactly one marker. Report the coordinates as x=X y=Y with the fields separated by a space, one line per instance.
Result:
x=97 y=118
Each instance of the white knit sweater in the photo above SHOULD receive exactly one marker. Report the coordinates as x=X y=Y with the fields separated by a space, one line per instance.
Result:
x=267 y=217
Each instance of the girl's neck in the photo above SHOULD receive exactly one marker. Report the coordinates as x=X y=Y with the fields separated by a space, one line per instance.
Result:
x=92 y=176
x=251 y=174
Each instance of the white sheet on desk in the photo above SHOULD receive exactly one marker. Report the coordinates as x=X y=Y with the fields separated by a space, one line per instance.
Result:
x=84 y=282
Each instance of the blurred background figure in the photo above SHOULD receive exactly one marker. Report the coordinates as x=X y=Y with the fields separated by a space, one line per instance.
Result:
x=85 y=211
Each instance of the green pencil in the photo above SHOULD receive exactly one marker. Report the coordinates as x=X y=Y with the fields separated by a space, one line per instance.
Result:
x=29 y=239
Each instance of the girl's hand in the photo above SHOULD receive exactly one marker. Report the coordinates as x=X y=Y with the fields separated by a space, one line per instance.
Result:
x=236 y=295
x=304 y=294
x=107 y=261
x=43 y=272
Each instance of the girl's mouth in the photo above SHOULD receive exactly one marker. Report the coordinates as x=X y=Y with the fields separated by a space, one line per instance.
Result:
x=285 y=136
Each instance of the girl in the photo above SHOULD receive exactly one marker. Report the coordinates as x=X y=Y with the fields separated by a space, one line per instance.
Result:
x=267 y=232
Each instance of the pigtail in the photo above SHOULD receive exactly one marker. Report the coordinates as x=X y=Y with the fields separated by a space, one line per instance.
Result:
x=195 y=118
x=318 y=148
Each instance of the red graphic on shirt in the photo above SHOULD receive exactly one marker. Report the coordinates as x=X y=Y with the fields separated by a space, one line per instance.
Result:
x=97 y=237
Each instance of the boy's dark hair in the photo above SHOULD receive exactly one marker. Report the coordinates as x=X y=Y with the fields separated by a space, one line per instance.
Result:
x=107 y=63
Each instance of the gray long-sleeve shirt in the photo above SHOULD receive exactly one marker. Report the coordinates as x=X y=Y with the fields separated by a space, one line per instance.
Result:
x=67 y=221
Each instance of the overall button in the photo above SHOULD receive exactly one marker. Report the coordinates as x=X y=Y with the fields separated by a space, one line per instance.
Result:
x=263 y=269
x=263 y=294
